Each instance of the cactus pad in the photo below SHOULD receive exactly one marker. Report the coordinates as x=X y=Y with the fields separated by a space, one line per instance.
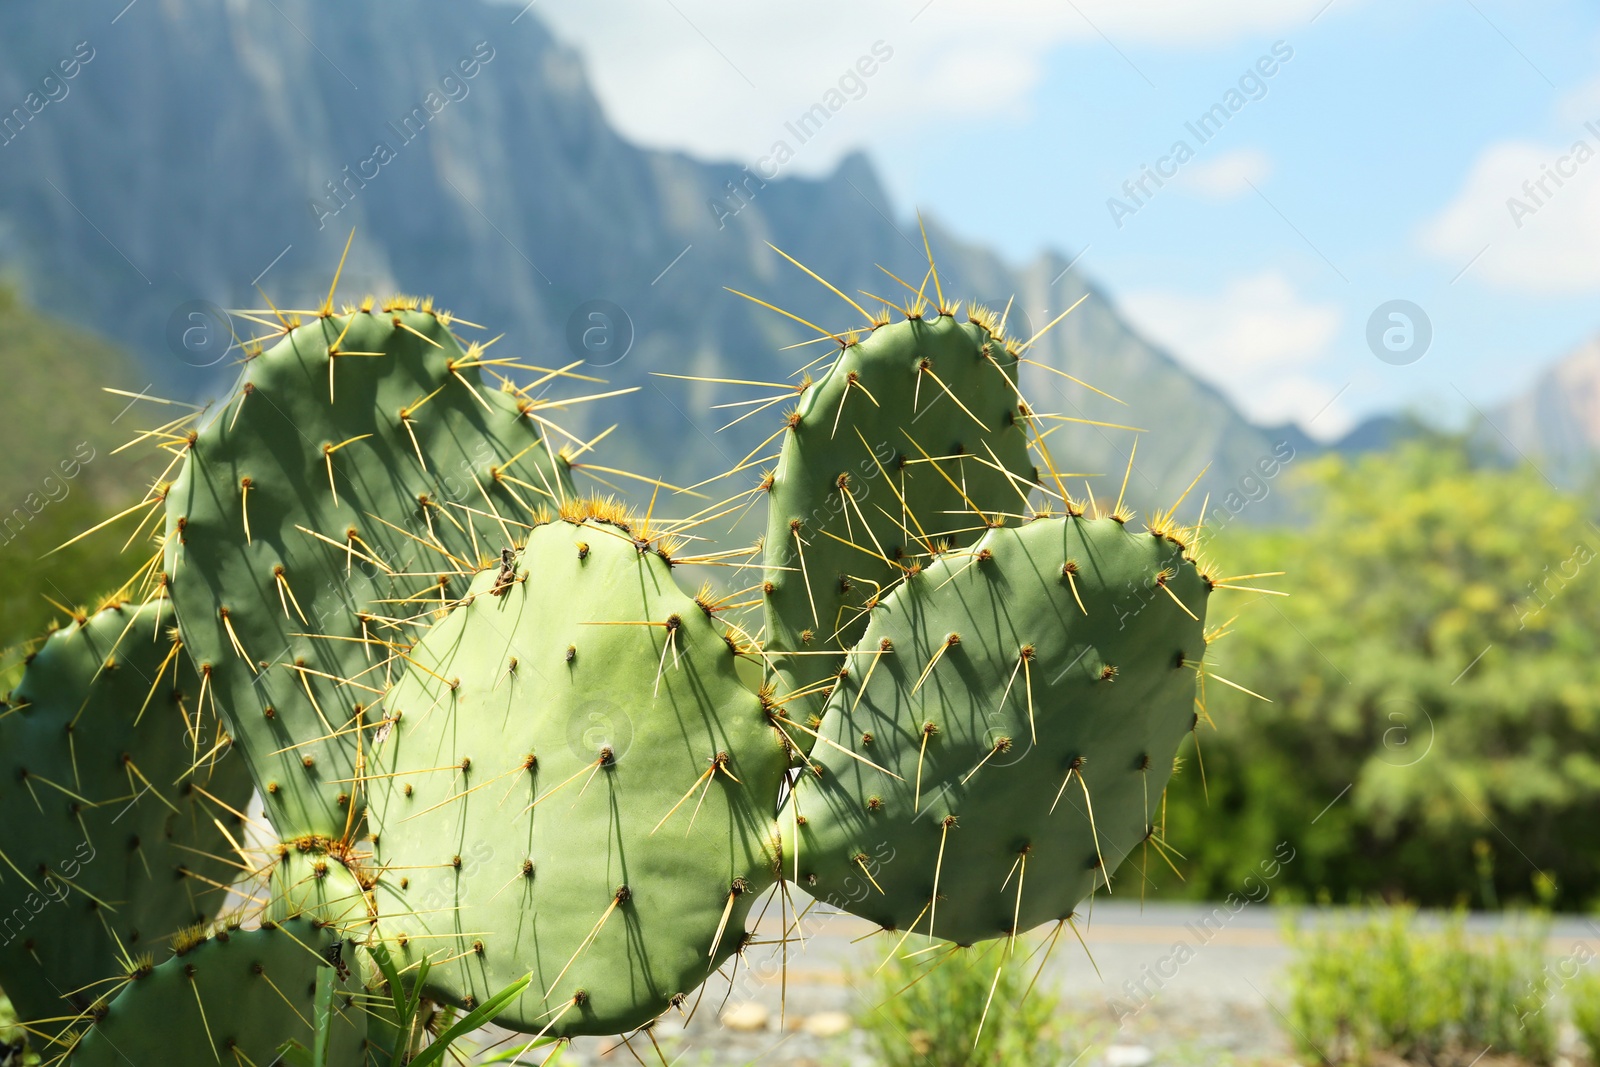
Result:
x=1031 y=736
x=232 y=998
x=112 y=787
x=911 y=439
x=319 y=878
x=578 y=785
x=356 y=476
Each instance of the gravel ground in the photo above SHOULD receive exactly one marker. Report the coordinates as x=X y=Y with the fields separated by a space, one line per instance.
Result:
x=1170 y=984
x=1142 y=1002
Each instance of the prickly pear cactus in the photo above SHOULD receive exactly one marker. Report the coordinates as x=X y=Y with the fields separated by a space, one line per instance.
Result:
x=1020 y=704
x=357 y=473
x=495 y=736
x=578 y=785
x=911 y=439
x=119 y=794
x=234 y=997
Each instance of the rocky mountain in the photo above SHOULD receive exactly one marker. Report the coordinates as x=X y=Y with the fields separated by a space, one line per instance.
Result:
x=162 y=156
x=1555 y=424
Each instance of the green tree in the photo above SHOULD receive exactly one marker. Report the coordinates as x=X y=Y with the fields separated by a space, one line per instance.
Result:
x=1433 y=675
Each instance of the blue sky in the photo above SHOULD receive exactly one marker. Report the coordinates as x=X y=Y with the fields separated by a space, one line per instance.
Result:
x=1375 y=164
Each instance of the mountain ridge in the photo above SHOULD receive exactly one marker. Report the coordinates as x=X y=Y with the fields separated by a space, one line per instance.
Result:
x=1555 y=423
x=515 y=203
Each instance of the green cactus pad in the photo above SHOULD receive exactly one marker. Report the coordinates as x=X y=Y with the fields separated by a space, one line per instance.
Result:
x=327 y=494
x=523 y=805
x=1029 y=700
x=113 y=782
x=234 y=998
x=912 y=438
x=312 y=879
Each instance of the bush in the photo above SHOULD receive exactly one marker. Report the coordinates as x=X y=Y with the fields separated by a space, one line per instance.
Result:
x=1433 y=997
x=1585 y=993
x=922 y=1009
x=14 y=1050
x=73 y=578
x=1436 y=659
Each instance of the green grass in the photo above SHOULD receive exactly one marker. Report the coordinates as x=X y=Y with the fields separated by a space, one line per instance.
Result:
x=1379 y=984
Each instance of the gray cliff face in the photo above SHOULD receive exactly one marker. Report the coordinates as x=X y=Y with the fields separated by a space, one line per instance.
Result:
x=202 y=142
x=1555 y=423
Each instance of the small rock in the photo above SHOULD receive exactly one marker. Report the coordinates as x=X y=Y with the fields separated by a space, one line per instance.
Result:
x=746 y=1018
x=1129 y=1056
x=827 y=1024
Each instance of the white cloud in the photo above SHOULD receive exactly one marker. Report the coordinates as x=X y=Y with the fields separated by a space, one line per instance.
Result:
x=1530 y=211
x=1228 y=175
x=1258 y=340
x=720 y=78
x=1580 y=105
x=1533 y=228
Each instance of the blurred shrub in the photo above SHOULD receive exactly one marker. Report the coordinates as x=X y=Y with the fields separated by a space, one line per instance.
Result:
x=1379 y=984
x=1438 y=656
x=923 y=1007
x=14 y=1050
x=62 y=475
x=73 y=577
x=1585 y=997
